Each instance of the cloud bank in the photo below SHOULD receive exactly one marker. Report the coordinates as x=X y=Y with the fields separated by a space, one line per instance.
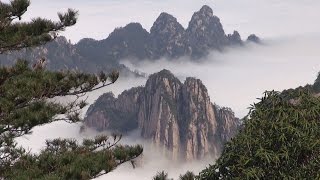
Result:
x=237 y=77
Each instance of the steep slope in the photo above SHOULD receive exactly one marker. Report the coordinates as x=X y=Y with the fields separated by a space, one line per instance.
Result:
x=205 y=32
x=178 y=116
x=168 y=37
x=59 y=55
x=130 y=41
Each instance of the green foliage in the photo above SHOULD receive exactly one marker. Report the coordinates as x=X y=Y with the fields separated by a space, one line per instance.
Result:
x=66 y=159
x=24 y=93
x=280 y=139
x=161 y=176
x=188 y=176
x=316 y=85
x=26 y=101
x=17 y=35
x=164 y=176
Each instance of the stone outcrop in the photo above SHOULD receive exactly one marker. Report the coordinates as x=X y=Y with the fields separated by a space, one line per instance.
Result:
x=168 y=37
x=176 y=115
x=253 y=38
x=205 y=32
x=235 y=38
x=109 y=112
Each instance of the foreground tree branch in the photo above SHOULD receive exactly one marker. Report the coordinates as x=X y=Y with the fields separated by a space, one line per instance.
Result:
x=26 y=101
x=18 y=35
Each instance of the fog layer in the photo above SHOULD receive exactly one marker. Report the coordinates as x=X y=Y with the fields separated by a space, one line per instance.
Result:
x=237 y=77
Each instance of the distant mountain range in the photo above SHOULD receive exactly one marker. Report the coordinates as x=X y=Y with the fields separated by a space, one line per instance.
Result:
x=167 y=38
x=175 y=115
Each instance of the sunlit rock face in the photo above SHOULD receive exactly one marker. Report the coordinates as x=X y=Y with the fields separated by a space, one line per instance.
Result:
x=175 y=115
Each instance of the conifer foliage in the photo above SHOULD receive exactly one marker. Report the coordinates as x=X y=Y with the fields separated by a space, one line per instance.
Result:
x=26 y=101
x=16 y=35
x=280 y=139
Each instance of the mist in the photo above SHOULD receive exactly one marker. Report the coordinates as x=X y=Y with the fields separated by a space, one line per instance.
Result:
x=148 y=164
x=238 y=76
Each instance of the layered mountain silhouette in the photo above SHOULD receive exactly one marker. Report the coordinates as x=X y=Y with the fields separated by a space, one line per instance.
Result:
x=167 y=38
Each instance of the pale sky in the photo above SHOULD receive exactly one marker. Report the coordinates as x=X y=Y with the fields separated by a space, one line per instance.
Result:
x=267 y=18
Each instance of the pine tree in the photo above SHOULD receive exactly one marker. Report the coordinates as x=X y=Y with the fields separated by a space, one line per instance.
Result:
x=24 y=103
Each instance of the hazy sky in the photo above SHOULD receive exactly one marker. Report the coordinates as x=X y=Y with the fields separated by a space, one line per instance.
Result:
x=267 y=18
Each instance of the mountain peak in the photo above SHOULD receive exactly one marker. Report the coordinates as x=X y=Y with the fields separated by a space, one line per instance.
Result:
x=204 y=17
x=253 y=38
x=235 y=38
x=205 y=32
x=165 y=71
x=165 y=23
x=133 y=25
x=168 y=37
x=206 y=10
x=163 y=74
x=166 y=16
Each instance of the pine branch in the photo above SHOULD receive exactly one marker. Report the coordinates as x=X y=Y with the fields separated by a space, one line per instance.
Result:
x=19 y=35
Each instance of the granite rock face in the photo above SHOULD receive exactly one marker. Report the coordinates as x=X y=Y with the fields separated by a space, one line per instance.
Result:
x=205 y=32
x=168 y=37
x=109 y=112
x=175 y=115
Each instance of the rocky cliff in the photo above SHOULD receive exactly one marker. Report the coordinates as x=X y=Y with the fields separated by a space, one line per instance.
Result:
x=176 y=115
x=167 y=38
x=60 y=54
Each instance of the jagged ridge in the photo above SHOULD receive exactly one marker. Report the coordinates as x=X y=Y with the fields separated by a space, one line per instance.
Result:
x=167 y=38
x=176 y=115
